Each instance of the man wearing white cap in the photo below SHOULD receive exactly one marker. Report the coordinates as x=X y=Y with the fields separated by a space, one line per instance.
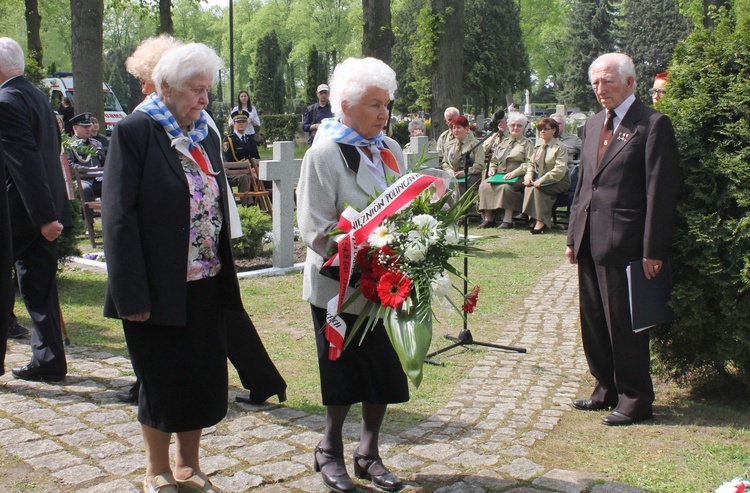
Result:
x=317 y=112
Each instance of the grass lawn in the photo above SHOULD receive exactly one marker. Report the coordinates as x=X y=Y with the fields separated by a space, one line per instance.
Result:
x=696 y=444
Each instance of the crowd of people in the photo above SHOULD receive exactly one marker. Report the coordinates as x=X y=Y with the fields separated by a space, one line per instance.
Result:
x=166 y=209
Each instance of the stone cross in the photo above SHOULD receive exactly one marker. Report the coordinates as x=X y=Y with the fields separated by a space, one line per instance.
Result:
x=284 y=171
x=418 y=146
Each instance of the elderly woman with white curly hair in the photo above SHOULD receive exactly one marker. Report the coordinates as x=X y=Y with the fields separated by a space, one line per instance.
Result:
x=171 y=275
x=349 y=162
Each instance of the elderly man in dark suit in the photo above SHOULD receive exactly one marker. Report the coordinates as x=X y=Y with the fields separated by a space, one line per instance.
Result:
x=38 y=205
x=623 y=211
x=6 y=264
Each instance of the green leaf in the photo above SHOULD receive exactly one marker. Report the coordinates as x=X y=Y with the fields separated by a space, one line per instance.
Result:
x=410 y=336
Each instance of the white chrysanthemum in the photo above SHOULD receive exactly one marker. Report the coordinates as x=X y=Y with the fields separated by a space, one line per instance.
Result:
x=380 y=237
x=441 y=287
x=451 y=235
x=415 y=251
x=427 y=225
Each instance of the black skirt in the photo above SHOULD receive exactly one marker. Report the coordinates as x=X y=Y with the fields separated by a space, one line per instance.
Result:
x=370 y=372
x=183 y=370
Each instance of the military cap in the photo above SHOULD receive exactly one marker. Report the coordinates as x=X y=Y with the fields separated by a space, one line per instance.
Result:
x=82 y=119
x=240 y=115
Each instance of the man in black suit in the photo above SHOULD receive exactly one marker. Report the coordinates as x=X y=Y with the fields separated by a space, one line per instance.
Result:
x=623 y=210
x=6 y=265
x=38 y=205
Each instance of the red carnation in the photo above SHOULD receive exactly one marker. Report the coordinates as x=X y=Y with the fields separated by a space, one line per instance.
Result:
x=369 y=287
x=471 y=300
x=363 y=259
x=393 y=289
x=382 y=260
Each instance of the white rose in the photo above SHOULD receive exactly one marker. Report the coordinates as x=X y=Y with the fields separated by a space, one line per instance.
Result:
x=415 y=251
x=441 y=287
x=451 y=235
x=427 y=226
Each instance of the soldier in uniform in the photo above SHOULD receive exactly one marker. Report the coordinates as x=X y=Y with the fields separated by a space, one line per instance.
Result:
x=80 y=156
x=237 y=147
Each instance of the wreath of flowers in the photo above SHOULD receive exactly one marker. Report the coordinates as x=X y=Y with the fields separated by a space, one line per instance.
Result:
x=404 y=268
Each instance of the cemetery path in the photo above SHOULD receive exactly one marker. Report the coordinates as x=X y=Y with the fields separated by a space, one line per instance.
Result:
x=75 y=436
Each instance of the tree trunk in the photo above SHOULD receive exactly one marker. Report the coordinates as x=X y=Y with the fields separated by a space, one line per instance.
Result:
x=33 y=26
x=377 y=34
x=447 y=79
x=165 y=17
x=86 y=55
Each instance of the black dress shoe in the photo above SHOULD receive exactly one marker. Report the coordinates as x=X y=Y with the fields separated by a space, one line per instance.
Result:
x=256 y=400
x=387 y=481
x=505 y=225
x=127 y=397
x=539 y=231
x=342 y=483
x=619 y=419
x=590 y=405
x=486 y=224
x=36 y=373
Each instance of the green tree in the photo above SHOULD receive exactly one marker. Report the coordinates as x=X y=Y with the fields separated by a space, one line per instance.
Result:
x=377 y=34
x=317 y=74
x=268 y=75
x=709 y=104
x=590 y=34
x=544 y=34
x=495 y=57
x=448 y=63
x=33 y=27
x=650 y=39
x=405 y=15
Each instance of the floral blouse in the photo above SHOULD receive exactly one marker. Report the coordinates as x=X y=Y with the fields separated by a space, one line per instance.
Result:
x=205 y=221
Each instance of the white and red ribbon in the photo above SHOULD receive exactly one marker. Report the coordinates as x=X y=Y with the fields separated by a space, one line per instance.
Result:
x=357 y=226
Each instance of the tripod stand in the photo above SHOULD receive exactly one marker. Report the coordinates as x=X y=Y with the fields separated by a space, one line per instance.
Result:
x=464 y=337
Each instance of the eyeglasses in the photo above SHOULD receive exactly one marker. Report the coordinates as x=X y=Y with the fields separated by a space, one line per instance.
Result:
x=515 y=125
x=660 y=92
x=545 y=128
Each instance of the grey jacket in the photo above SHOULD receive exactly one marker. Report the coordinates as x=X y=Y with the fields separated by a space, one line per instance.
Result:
x=327 y=184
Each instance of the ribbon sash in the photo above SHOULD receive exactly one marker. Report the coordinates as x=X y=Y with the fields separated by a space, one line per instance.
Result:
x=357 y=226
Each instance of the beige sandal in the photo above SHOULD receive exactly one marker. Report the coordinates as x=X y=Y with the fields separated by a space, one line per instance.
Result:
x=161 y=483
x=197 y=483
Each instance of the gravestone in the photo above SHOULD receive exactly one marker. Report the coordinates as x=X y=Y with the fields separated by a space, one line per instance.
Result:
x=283 y=170
x=418 y=147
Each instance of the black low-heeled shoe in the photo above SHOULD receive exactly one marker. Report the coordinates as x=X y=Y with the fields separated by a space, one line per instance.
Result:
x=258 y=401
x=385 y=482
x=342 y=483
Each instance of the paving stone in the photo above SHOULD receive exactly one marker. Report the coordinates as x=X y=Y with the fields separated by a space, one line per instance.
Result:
x=215 y=463
x=38 y=415
x=435 y=451
x=522 y=469
x=240 y=482
x=62 y=425
x=54 y=462
x=107 y=418
x=119 y=486
x=37 y=447
x=79 y=474
x=490 y=480
x=565 y=481
x=261 y=452
x=104 y=450
x=277 y=471
x=83 y=437
x=124 y=464
x=222 y=442
x=17 y=435
x=460 y=487
x=269 y=431
x=473 y=459
x=6 y=423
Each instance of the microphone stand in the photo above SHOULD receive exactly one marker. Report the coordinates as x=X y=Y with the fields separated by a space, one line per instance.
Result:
x=464 y=337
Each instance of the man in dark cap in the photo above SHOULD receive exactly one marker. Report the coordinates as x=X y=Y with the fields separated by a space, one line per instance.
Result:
x=38 y=208
x=86 y=153
x=240 y=146
x=316 y=112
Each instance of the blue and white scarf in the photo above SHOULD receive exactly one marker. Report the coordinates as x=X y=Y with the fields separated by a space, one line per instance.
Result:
x=155 y=108
x=333 y=129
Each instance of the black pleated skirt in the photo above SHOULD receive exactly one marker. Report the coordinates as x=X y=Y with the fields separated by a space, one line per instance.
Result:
x=183 y=370
x=370 y=372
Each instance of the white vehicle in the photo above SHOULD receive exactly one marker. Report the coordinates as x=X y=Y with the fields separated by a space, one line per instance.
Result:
x=61 y=84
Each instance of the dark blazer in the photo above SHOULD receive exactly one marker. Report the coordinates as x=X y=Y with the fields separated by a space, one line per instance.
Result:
x=36 y=188
x=6 y=264
x=146 y=225
x=628 y=201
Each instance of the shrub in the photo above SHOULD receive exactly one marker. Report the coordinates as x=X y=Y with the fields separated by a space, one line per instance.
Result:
x=280 y=127
x=709 y=104
x=68 y=242
x=400 y=132
x=255 y=224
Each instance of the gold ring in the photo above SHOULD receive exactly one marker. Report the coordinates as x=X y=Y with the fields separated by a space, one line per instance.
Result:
x=657 y=267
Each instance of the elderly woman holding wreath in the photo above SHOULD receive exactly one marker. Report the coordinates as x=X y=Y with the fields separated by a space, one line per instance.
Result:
x=349 y=162
x=171 y=278
x=546 y=177
x=503 y=188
